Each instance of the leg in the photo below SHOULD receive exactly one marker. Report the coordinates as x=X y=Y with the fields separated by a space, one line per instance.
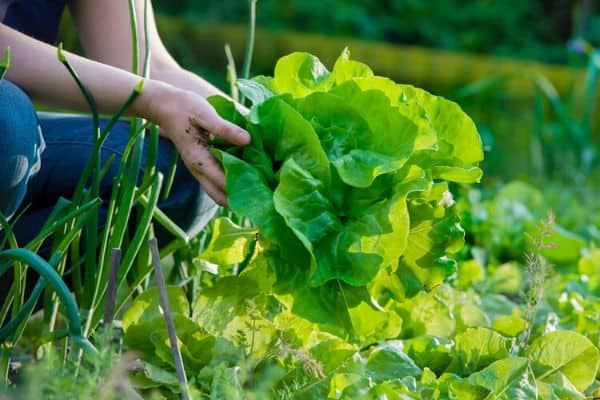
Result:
x=20 y=146
x=69 y=142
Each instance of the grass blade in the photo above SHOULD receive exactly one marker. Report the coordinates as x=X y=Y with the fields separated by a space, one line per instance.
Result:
x=5 y=63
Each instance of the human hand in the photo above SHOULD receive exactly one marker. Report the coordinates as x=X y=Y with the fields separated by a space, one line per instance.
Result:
x=188 y=120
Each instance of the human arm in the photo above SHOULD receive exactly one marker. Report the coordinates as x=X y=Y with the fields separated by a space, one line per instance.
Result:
x=112 y=44
x=183 y=115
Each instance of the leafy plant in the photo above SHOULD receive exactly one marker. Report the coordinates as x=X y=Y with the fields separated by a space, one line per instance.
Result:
x=344 y=175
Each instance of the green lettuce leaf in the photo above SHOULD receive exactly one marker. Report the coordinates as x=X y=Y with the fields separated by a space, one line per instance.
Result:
x=476 y=348
x=229 y=243
x=507 y=379
x=565 y=352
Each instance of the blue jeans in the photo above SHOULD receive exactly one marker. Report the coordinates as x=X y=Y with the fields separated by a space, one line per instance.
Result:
x=42 y=156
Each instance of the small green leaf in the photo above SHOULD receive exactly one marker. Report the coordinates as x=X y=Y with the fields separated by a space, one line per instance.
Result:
x=229 y=243
x=254 y=91
x=147 y=306
x=388 y=361
x=476 y=348
x=589 y=266
x=509 y=325
x=469 y=273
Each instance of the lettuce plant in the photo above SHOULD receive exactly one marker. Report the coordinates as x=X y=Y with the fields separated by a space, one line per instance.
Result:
x=347 y=171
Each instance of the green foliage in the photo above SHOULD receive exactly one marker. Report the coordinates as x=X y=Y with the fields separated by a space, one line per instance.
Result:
x=54 y=377
x=534 y=29
x=339 y=175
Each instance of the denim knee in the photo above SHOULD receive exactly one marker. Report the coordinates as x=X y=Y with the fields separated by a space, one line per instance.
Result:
x=21 y=144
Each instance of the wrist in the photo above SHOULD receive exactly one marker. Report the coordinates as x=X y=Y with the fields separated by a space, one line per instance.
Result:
x=154 y=100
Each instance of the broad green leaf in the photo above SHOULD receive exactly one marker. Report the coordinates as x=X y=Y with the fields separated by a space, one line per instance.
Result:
x=507 y=379
x=250 y=195
x=386 y=287
x=147 y=306
x=509 y=325
x=343 y=310
x=256 y=92
x=393 y=133
x=435 y=234
x=346 y=69
x=374 y=240
x=428 y=386
x=388 y=361
x=232 y=307
x=370 y=323
x=286 y=134
x=426 y=314
x=426 y=136
x=300 y=74
x=558 y=388
x=346 y=136
x=476 y=348
x=397 y=389
x=565 y=352
x=429 y=352
x=229 y=243
x=497 y=305
x=469 y=273
x=459 y=143
x=162 y=376
x=332 y=353
x=462 y=389
x=469 y=315
x=346 y=386
x=301 y=200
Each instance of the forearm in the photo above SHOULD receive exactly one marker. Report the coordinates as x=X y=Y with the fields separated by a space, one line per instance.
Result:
x=37 y=70
x=183 y=79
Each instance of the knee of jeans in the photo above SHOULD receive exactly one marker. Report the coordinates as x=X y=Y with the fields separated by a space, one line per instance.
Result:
x=19 y=130
x=21 y=144
x=16 y=109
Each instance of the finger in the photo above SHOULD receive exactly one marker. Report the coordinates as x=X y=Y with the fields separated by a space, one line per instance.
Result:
x=212 y=122
x=213 y=191
x=206 y=165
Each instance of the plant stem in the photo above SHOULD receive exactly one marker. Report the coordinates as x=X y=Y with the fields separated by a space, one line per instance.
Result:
x=111 y=291
x=164 y=300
